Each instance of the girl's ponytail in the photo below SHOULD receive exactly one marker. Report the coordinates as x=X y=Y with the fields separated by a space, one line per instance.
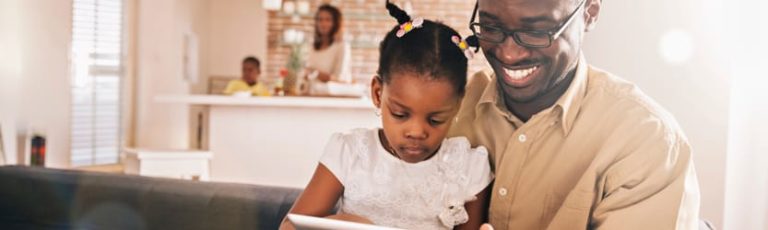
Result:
x=397 y=13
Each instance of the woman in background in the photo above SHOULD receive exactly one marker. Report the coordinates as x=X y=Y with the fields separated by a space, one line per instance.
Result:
x=329 y=57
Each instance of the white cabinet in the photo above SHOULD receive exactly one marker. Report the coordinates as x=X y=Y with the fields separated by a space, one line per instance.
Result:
x=179 y=164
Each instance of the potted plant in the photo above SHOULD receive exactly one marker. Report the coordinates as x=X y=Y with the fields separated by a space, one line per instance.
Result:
x=294 y=68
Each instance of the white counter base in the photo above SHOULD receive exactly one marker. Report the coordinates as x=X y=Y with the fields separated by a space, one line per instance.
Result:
x=275 y=140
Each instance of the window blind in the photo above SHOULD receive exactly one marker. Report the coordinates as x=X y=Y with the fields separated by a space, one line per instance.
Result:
x=97 y=27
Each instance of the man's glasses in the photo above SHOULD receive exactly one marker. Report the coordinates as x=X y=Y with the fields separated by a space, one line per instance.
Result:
x=526 y=38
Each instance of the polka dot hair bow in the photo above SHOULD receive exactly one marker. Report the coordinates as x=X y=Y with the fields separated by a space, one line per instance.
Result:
x=408 y=26
x=462 y=44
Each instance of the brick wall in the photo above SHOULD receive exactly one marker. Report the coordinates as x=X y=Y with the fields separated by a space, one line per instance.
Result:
x=365 y=24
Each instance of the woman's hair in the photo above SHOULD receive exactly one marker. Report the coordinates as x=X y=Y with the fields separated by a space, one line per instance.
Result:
x=427 y=51
x=335 y=30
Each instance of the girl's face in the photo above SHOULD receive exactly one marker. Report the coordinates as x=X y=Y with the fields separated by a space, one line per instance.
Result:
x=324 y=22
x=416 y=113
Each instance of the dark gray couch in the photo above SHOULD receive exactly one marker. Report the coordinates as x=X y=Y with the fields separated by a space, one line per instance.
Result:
x=40 y=198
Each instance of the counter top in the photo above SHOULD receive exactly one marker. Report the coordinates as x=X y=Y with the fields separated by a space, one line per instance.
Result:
x=287 y=101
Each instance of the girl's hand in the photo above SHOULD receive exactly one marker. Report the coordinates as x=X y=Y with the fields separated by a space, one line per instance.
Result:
x=320 y=196
x=486 y=226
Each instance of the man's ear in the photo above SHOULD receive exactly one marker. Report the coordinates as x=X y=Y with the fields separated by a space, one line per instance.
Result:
x=591 y=12
x=376 y=88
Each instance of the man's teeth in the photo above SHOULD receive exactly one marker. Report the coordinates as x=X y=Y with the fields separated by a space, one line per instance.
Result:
x=520 y=73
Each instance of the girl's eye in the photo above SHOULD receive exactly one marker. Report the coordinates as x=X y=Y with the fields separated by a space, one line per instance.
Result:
x=435 y=122
x=399 y=115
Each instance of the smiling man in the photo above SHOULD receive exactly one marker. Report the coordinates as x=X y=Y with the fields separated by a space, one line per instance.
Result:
x=572 y=146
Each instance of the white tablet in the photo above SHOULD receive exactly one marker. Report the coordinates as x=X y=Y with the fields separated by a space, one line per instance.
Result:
x=302 y=222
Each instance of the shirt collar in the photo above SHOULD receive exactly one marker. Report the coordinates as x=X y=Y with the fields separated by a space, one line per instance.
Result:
x=490 y=93
x=569 y=103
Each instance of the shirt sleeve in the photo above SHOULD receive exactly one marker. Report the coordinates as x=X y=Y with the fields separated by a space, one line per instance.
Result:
x=652 y=184
x=336 y=157
x=478 y=170
x=231 y=87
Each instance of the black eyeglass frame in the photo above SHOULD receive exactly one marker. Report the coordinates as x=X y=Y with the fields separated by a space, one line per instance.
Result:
x=553 y=34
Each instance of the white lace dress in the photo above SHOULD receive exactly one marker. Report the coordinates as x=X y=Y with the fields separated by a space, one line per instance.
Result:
x=391 y=192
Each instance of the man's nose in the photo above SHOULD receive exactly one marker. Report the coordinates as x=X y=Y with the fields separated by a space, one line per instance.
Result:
x=510 y=53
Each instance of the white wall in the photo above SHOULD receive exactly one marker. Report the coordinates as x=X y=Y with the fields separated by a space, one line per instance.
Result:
x=161 y=26
x=747 y=175
x=227 y=31
x=34 y=71
x=10 y=72
x=238 y=29
x=626 y=42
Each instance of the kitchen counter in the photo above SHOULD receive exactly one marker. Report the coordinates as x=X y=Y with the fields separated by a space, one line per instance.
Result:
x=273 y=140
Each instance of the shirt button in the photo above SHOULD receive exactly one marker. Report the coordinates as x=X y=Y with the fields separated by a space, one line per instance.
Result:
x=522 y=138
x=503 y=191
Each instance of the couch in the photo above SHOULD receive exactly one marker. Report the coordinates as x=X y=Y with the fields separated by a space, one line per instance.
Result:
x=43 y=198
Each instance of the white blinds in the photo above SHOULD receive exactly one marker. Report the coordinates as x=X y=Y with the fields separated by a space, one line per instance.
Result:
x=96 y=81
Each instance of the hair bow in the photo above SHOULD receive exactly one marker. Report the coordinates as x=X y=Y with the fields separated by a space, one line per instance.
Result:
x=408 y=26
x=462 y=44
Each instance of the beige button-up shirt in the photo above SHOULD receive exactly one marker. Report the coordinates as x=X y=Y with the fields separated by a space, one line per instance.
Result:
x=605 y=156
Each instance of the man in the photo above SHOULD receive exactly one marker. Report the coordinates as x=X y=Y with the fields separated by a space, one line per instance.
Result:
x=249 y=82
x=572 y=146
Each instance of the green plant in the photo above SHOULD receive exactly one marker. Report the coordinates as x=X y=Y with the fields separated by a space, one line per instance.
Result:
x=295 y=59
x=293 y=66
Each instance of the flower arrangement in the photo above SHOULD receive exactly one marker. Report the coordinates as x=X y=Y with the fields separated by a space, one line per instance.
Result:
x=293 y=69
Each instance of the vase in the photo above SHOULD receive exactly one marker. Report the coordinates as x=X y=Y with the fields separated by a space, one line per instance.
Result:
x=290 y=84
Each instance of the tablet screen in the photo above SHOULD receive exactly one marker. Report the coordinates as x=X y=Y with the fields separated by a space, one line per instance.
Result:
x=302 y=222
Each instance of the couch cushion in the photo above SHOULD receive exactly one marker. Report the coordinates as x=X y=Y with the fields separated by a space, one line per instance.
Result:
x=32 y=197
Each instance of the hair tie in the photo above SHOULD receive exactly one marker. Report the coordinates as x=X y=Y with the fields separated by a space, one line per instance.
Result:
x=462 y=44
x=408 y=26
x=473 y=42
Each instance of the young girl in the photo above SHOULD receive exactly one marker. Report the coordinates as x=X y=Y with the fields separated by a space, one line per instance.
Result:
x=406 y=175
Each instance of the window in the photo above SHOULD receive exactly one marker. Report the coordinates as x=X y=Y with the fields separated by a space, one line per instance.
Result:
x=97 y=27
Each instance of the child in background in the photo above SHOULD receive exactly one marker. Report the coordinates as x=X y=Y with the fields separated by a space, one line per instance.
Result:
x=406 y=174
x=249 y=82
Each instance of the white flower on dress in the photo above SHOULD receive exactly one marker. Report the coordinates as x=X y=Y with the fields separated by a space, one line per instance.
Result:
x=454 y=214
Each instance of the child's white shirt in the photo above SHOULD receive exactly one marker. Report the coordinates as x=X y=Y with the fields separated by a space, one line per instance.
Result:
x=391 y=192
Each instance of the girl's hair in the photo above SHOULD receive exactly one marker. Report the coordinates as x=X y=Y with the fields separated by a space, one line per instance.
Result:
x=427 y=51
x=335 y=30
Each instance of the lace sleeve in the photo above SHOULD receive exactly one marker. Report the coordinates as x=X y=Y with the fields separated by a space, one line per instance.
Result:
x=478 y=170
x=473 y=163
x=336 y=158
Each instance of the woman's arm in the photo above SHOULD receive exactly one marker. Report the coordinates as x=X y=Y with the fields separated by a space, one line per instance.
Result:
x=477 y=210
x=319 y=198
